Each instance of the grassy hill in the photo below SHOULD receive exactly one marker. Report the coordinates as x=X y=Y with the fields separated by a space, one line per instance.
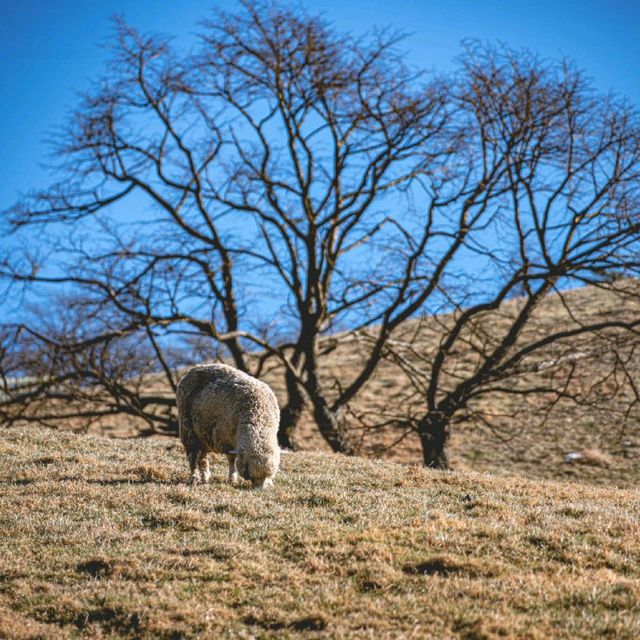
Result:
x=526 y=440
x=532 y=442
x=103 y=538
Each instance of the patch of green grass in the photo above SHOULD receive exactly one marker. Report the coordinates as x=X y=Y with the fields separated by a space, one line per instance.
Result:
x=104 y=539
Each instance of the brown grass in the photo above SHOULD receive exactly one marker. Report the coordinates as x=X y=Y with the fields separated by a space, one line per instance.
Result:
x=102 y=538
x=527 y=445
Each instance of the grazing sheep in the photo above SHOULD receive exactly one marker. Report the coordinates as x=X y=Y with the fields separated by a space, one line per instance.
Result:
x=222 y=409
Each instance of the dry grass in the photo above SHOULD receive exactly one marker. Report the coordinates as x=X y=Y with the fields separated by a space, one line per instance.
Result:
x=104 y=539
x=528 y=445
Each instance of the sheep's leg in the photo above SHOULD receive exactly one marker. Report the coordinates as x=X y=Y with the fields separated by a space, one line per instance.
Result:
x=203 y=466
x=194 y=457
x=233 y=474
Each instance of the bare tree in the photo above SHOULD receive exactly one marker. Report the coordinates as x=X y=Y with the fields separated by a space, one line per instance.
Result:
x=269 y=165
x=285 y=166
x=545 y=196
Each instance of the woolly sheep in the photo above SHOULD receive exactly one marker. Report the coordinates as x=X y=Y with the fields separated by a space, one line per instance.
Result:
x=223 y=410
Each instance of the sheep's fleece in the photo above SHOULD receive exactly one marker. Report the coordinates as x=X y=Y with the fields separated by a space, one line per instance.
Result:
x=223 y=410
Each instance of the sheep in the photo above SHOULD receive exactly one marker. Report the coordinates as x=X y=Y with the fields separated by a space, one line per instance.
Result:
x=223 y=410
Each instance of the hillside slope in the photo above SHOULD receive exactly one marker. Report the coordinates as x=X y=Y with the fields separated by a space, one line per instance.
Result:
x=504 y=432
x=526 y=439
x=103 y=538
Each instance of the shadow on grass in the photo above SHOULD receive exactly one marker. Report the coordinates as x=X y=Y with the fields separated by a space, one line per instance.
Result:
x=169 y=482
x=128 y=481
x=109 y=619
x=310 y=623
x=432 y=567
x=111 y=481
x=106 y=482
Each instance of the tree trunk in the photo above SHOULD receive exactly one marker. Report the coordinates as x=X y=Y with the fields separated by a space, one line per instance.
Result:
x=332 y=430
x=290 y=414
x=289 y=418
x=434 y=433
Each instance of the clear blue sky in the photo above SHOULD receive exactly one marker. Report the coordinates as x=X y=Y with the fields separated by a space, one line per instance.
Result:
x=50 y=48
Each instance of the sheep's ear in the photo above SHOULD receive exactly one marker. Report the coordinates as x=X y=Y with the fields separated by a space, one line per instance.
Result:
x=234 y=452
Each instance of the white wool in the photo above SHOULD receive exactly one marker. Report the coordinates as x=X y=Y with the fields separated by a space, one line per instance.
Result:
x=223 y=410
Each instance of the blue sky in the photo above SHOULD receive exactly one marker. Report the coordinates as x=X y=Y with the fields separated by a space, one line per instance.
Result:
x=49 y=49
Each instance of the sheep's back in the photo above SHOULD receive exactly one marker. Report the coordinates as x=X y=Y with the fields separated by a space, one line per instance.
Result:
x=215 y=400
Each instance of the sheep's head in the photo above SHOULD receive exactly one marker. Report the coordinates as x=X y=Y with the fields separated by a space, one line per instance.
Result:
x=259 y=468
